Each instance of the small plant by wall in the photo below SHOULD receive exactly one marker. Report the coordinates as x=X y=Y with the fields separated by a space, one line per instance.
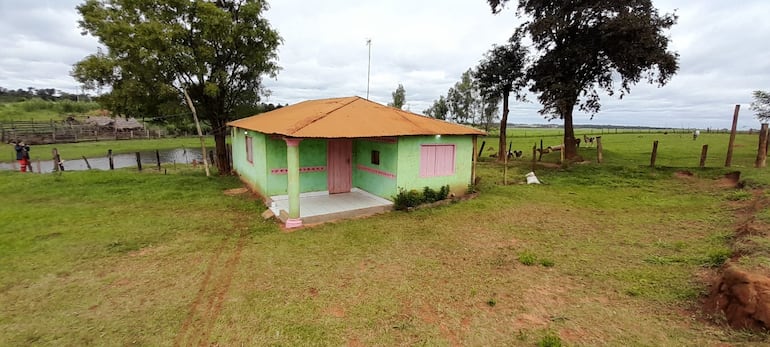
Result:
x=406 y=199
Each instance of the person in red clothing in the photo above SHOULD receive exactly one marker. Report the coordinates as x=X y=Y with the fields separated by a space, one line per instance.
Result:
x=22 y=155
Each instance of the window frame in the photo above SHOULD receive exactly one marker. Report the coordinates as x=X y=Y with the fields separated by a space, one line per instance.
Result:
x=249 y=149
x=432 y=160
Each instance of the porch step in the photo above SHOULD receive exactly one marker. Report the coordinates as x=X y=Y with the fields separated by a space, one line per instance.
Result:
x=361 y=212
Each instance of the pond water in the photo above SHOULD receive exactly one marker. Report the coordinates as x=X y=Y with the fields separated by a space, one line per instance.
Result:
x=179 y=156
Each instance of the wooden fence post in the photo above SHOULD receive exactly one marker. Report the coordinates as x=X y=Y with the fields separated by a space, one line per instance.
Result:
x=541 y=151
x=87 y=164
x=534 y=155
x=109 y=157
x=762 y=150
x=57 y=164
x=703 y=154
x=483 y=143
x=139 y=161
x=599 y=153
x=729 y=159
x=654 y=154
x=157 y=157
x=39 y=170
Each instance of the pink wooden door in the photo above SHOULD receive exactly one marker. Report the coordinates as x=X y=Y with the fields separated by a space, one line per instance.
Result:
x=339 y=156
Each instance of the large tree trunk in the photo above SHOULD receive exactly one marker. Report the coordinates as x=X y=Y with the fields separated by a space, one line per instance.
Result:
x=220 y=139
x=570 y=148
x=503 y=150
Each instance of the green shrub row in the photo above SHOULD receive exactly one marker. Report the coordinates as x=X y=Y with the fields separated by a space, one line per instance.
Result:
x=412 y=198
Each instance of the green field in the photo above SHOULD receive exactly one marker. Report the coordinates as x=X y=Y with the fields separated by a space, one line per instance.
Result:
x=613 y=254
x=41 y=110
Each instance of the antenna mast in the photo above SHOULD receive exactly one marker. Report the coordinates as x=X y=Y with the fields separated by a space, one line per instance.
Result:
x=369 y=67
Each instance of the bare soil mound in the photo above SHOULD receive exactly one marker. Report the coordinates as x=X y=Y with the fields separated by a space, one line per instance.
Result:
x=743 y=297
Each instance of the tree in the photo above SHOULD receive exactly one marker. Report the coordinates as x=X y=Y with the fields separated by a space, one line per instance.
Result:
x=216 y=50
x=489 y=107
x=761 y=105
x=501 y=72
x=591 y=45
x=399 y=97
x=461 y=99
x=439 y=109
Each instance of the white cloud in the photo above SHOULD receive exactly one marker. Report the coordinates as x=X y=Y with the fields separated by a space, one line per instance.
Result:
x=426 y=45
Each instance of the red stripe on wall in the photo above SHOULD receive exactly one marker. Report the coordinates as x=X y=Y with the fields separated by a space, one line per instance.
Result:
x=375 y=171
x=284 y=171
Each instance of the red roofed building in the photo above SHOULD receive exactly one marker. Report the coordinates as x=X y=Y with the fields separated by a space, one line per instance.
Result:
x=335 y=146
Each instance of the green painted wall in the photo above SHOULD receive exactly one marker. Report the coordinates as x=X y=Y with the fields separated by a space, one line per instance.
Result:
x=401 y=158
x=253 y=173
x=408 y=176
x=371 y=182
x=312 y=152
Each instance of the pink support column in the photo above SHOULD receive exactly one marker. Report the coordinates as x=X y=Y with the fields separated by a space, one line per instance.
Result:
x=292 y=161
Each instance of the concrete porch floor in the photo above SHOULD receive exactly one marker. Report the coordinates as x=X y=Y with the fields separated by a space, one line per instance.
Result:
x=319 y=207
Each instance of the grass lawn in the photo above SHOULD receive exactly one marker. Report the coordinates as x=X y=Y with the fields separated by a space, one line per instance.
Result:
x=598 y=255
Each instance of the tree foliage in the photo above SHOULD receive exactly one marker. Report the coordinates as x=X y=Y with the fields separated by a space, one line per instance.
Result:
x=589 y=46
x=47 y=94
x=463 y=100
x=761 y=105
x=217 y=50
x=501 y=72
x=399 y=97
x=439 y=109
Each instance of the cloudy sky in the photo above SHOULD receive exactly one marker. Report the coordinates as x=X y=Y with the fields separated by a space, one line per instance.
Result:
x=425 y=45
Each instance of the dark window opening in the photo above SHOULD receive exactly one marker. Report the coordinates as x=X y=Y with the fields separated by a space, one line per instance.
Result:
x=376 y=157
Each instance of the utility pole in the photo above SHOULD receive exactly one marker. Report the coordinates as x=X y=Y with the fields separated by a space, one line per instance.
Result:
x=369 y=67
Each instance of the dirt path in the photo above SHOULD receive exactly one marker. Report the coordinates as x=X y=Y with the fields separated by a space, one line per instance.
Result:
x=205 y=308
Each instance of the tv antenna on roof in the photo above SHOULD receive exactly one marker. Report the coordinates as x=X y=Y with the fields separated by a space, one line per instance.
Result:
x=369 y=67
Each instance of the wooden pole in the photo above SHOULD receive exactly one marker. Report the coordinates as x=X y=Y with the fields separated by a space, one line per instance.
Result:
x=88 y=165
x=703 y=154
x=729 y=159
x=39 y=170
x=599 y=153
x=483 y=143
x=157 y=157
x=200 y=133
x=541 y=151
x=109 y=157
x=57 y=164
x=534 y=155
x=139 y=161
x=762 y=150
x=654 y=154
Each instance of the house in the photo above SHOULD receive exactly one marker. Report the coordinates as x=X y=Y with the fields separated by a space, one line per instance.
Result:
x=333 y=147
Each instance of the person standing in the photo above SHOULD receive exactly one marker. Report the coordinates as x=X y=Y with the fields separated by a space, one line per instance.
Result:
x=22 y=155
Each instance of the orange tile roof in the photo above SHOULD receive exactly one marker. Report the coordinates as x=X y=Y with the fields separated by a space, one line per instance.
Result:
x=347 y=118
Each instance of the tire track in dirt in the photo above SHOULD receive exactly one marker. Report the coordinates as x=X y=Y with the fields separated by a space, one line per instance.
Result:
x=205 y=308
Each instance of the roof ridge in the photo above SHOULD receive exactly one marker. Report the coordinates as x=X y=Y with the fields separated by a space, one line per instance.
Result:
x=322 y=116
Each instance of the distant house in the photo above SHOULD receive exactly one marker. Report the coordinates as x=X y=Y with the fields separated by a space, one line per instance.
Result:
x=335 y=146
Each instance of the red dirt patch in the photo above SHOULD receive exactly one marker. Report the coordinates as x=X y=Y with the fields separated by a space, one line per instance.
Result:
x=313 y=292
x=743 y=297
x=731 y=180
x=336 y=311
x=683 y=174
